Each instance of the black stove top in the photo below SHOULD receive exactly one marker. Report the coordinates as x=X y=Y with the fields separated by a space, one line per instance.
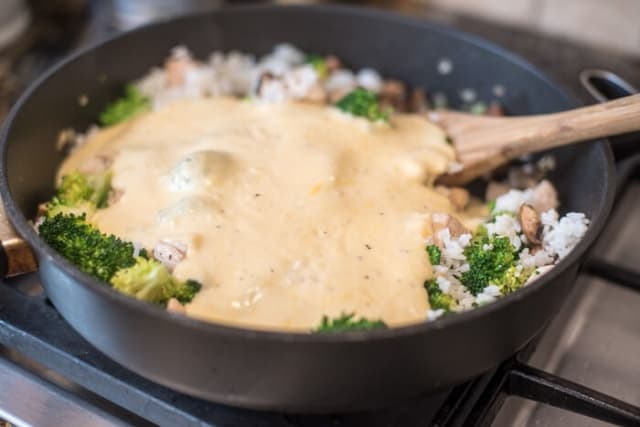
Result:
x=35 y=338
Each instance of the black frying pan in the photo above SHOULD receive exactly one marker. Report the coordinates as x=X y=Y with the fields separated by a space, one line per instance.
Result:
x=291 y=371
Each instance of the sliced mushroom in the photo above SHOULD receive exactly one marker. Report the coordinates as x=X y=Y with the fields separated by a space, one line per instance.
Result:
x=440 y=221
x=544 y=196
x=170 y=252
x=530 y=222
x=418 y=101
x=175 y=306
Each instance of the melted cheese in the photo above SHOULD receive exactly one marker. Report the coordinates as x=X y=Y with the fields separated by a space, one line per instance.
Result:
x=289 y=211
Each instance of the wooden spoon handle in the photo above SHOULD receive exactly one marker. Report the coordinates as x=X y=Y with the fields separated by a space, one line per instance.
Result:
x=537 y=133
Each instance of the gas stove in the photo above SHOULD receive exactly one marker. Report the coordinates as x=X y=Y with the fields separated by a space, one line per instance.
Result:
x=51 y=376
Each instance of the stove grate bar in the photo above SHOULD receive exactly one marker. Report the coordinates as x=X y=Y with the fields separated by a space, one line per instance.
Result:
x=518 y=379
x=534 y=384
x=615 y=274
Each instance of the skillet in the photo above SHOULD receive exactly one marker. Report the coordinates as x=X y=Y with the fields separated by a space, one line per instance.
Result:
x=294 y=371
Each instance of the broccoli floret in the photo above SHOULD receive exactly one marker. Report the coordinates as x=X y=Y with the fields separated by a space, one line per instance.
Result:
x=95 y=253
x=347 y=322
x=185 y=291
x=489 y=259
x=132 y=103
x=80 y=193
x=434 y=254
x=319 y=64
x=149 y=280
x=512 y=280
x=438 y=299
x=363 y=103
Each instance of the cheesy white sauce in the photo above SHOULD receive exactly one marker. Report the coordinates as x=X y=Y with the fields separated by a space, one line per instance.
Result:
x=289 y=211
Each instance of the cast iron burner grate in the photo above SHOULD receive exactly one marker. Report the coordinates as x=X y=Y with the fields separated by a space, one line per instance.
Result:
x=31 y=327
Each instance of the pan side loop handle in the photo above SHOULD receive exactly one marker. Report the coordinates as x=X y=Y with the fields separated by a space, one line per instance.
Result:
x=16 y=256
x=604 y=85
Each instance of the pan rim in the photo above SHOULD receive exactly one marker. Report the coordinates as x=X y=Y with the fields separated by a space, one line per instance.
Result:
x=26 y=231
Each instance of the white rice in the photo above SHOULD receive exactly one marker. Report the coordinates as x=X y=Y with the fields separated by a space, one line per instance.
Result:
x=559 y=236
x=238 y=74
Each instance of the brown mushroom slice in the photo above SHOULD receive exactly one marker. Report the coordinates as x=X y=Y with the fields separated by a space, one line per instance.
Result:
x=530 y=222
x=418 y=102
x=440 y=221
x=394 y=94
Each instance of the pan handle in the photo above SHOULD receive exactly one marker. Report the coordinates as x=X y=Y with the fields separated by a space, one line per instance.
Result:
x=16 y=256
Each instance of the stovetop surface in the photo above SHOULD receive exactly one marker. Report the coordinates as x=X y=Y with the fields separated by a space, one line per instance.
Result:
x=593 y=341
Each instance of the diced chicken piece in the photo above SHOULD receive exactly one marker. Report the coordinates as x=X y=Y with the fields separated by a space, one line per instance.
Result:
x=271 y=88
x=458 y=196
x=333 y=63
x=170 y=252
x=495 y=110
x=177 y=66
x=418 y=101
x=544 y=196
x=42 y=209
x=316 y=94
x=175 y=306
x=495 y=189
x=394 y=94
x=39 y=221
x=440 y=221
x=338 y=94
x=300 y=80
x=530 y=222
x=523 y=177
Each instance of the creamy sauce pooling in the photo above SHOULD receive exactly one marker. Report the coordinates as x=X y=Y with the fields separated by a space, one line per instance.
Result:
x=289 y=211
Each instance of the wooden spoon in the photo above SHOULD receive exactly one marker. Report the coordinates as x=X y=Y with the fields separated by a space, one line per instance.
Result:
x=484 y=143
